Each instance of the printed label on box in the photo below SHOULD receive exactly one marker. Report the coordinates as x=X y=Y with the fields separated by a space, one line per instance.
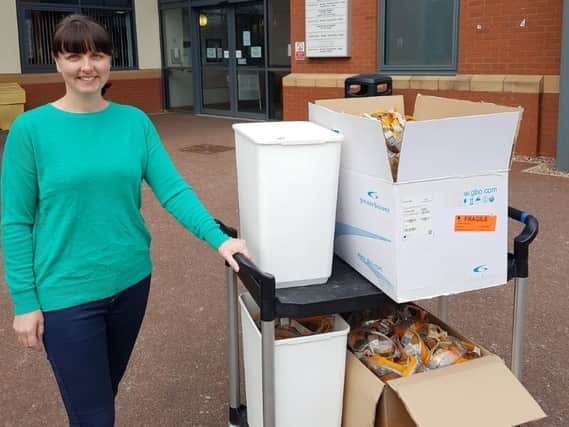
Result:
x=417 y=217
x=478 y=196
x=475 y=223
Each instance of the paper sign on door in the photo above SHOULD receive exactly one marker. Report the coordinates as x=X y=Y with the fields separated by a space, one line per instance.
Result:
x=246 y=38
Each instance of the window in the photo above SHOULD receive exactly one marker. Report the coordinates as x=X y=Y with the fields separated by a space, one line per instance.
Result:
x=38 y=18
x=418 y=35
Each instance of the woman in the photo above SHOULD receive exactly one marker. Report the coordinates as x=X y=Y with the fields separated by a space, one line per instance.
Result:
x=75 y=245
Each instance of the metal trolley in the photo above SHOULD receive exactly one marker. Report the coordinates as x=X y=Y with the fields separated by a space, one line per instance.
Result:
x=345 y=291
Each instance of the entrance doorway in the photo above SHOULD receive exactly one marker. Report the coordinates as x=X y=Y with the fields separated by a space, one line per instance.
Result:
x=232 y=59
x=225 y=57
x=177 y=57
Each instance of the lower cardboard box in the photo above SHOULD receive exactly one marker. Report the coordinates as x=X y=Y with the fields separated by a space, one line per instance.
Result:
x=480 y=392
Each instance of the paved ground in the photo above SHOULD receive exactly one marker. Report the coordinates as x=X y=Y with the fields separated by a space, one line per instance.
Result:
x=178 y=374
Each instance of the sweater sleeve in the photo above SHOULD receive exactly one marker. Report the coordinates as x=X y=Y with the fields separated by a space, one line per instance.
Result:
x=19 y=202
x=174 y=193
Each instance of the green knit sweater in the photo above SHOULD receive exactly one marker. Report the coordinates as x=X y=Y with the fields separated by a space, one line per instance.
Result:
x=72 y=230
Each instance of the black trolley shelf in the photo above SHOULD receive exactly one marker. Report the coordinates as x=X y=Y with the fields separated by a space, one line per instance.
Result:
x=345 y=291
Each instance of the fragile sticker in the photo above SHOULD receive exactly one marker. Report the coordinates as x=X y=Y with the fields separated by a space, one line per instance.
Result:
x=475 y=223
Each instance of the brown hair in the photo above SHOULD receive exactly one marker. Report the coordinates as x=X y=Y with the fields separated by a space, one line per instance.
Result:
x=80 y=34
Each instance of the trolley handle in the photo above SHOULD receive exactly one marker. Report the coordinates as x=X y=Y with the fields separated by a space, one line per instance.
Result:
x=523 y=240
x=249 y=267
x=261 y=285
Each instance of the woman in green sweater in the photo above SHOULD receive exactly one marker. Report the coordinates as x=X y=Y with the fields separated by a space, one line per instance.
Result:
x=76 y=249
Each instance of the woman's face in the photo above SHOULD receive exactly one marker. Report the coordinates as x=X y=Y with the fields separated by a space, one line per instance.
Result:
x=84 y=73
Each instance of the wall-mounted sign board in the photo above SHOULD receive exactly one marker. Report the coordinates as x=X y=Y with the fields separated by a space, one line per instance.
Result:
x=327 y=25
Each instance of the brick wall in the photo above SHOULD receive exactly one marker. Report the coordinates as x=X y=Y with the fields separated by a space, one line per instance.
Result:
x=548 y=120
x=296 y=99
x=363 y=41
x=42 y=93
x=501 y=46
x=145 y=94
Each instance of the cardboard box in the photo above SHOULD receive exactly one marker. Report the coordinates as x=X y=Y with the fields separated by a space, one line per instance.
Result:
x=441 y=228
x=480 y=392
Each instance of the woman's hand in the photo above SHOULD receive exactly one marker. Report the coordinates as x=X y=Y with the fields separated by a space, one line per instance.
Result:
x=231 y=247
x=29 y=329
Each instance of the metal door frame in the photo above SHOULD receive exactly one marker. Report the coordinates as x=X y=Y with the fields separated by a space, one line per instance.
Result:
x=230 y=6
x=164 y=68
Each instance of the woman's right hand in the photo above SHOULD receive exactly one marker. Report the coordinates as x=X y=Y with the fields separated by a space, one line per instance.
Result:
x=29 y=329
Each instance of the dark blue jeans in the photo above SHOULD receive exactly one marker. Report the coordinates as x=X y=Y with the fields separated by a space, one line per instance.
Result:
x=89 y=346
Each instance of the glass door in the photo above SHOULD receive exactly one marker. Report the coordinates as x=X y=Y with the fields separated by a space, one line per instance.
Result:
x=177 y=58
x=250 y=58
x=232 y=58
x=215 y=59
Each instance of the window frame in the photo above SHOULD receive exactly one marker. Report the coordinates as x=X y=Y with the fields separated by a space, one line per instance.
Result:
x=451 y=69
x=22 y=5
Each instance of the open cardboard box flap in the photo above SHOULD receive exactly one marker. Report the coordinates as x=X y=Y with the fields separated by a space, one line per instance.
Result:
x=371 y=156
x=358 y=106
x=361 y=393
x=481 y=392
x=457 y=146
x=462 y=138
x=426 y=107
x=434 y=107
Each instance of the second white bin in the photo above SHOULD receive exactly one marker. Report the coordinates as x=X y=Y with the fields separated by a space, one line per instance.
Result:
x=287 y=178
x=308 y=377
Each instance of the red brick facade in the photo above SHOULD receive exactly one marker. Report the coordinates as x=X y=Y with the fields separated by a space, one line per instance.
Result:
x=146 y=94
x=494 y=39
x=296 y=99
x=363 y=47
x=548 y=119
x=502 y=46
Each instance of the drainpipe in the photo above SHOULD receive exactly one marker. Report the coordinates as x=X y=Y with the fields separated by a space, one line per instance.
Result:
x=562 y=161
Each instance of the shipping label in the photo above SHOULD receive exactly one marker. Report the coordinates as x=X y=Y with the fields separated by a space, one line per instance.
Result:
x=417 y=214
x=475 y=223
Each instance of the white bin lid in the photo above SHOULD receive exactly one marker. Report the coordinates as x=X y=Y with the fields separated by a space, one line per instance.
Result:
x=286 y=133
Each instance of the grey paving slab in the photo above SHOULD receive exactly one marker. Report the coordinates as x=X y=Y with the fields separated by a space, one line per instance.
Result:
x=178 y=374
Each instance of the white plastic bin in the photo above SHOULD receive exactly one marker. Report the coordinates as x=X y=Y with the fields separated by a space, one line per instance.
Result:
x=287 y=176
x=309 y=374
